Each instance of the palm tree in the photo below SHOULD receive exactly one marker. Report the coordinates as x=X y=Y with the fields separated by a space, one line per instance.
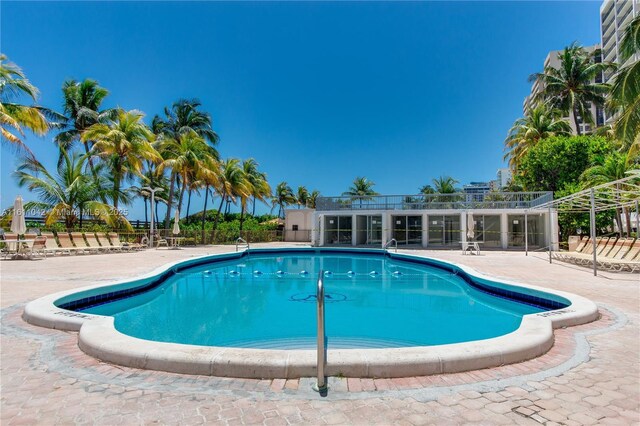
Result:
x=571 y=87
x=361 y=189
x=15 y=117
x=67 y=194
x=302 y=197
x=613 y=167
x=427 y=189
x=183 y=117
x=232 y=183
x=257 y=183
x=313 y=198
x=191 y=158
x=625 y=92
x=123 y=144
x=282 y=197
x=445 y=185
x=538 y=123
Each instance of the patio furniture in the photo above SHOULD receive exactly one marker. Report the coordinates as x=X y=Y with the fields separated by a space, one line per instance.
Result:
x=103 y=239
x=78 y=240
x=93 y=242
x=65 y=242
x=470 y=247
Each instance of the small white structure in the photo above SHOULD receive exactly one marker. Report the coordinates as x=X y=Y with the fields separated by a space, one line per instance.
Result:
x=500 y=220
x=298 y=224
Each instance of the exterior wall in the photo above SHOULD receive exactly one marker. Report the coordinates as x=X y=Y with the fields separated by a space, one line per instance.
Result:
x=615 y=16
x=303 y=220
x=506 y=237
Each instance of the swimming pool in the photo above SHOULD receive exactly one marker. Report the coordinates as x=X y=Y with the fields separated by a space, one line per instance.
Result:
x=267 y=300
x=252 y=314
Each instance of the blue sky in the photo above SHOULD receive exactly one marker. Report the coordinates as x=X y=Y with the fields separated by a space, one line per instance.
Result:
x=317 y=93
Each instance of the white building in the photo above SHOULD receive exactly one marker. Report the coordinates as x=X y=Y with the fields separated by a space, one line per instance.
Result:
x=615 y=16
x=500 y=220
x=298 y=224
x=503 y=177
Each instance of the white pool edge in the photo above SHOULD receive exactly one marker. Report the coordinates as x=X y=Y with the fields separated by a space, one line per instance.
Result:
x=99 y=338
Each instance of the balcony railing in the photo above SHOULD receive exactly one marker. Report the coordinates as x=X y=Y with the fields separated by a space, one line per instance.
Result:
x=456 y=201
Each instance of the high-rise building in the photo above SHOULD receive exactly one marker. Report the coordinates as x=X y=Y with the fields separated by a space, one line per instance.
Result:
x=503 y=178
x=615 y=16
x=597 y=112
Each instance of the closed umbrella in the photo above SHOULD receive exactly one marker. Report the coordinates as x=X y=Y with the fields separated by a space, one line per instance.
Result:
x=18 y=224
x=176 y=223
x=471 y=226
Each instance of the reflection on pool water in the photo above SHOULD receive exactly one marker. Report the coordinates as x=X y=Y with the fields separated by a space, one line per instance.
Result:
x=268 y=301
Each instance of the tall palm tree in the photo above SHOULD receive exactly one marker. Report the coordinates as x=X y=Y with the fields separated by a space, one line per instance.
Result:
x=15 y=117
x=313 y=198
x=282 y=197
x=302 y=196
x=625 y=92
x=612 y=167
x=232 y=184
x=82 y=102
x=123 y=144
x=445 y=185
x=361 y=189
x=258 y=185
x=571 y=87
x=538 y=123
x=191 y=158
x=210 y=179
x=68 y=193
x=183 y=117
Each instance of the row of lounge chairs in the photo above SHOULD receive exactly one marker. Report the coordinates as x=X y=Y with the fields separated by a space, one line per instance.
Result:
x=71 y=243
x=612 y=253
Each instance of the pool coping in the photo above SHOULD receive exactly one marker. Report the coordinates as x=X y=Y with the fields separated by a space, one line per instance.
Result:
x=99 y=338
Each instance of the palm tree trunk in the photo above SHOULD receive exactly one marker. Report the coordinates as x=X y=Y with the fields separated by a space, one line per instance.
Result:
x=170 y=199
x=215 y=222
x=204 y=211
x=627 y=216
x=253 y=213
x=619 y=220
x=242 y=204
x=116 y=188
x=188 y=204
x=184 y=185
x=94 y=173
x=575 y=120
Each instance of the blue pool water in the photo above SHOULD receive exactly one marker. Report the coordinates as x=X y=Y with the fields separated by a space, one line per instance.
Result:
x=268 y=300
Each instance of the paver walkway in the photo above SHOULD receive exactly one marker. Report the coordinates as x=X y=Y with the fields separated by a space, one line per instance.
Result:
x=591 y=375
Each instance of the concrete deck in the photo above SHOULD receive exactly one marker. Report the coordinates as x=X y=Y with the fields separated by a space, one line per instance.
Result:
x=590 y=376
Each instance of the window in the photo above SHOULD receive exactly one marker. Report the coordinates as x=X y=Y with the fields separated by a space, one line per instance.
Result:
x=294 y=227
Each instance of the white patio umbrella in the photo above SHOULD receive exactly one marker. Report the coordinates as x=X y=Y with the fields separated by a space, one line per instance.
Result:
x=176 y=223
x=18 y=224
x=471 y=226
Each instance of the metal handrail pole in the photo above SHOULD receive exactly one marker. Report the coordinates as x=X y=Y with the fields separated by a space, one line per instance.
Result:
x=321 y=385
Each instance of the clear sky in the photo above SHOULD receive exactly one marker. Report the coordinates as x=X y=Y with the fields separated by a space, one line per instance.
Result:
x=317 y=93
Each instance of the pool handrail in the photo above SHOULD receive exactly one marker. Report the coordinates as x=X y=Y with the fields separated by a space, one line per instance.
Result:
x=321 y=385
x=242 y=242
x=389 y=243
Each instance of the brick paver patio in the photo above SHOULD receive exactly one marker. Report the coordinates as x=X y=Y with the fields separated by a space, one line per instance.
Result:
x=590 y=376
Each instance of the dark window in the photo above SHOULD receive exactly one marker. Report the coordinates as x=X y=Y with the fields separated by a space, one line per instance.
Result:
x=294 y=227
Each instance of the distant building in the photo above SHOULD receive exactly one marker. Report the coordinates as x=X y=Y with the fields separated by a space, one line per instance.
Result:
x=475 y=190
x=503 y=177
x=615 y=16
x=537 y=87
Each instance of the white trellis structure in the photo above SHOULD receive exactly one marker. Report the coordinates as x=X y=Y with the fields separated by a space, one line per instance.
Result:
x=622 y=193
